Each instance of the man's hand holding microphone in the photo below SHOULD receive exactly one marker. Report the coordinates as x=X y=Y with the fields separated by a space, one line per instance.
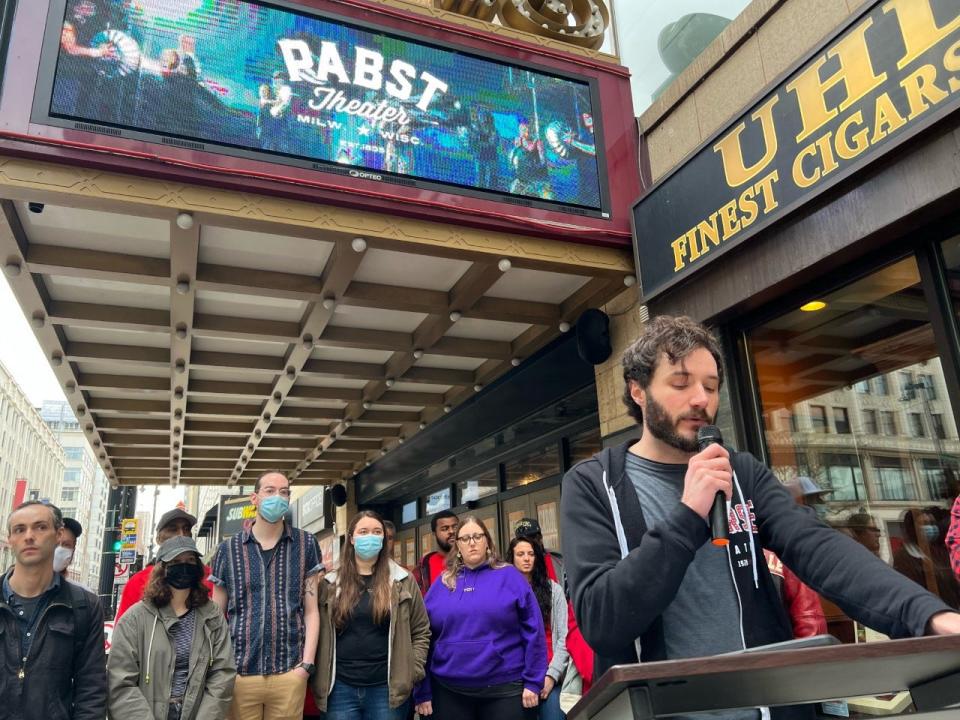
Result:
x=709 y=482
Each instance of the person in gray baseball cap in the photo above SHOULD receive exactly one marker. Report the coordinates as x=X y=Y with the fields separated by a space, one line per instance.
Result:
x=171 y=656
x=173 y=523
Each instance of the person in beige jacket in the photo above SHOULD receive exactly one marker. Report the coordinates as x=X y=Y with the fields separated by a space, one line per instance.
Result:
x=171 y=657
x=374 y=631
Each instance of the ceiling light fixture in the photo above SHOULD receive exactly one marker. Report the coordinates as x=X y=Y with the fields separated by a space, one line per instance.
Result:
x=813 y=306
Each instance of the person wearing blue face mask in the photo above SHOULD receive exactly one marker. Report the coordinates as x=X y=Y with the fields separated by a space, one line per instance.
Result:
x=265 y=580
x=375 y=633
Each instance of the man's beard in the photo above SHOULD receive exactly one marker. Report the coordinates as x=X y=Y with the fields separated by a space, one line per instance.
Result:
x=664 y=428
x=444 y=546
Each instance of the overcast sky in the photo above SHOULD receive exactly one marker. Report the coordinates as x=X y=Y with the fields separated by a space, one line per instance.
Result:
x=20 y=352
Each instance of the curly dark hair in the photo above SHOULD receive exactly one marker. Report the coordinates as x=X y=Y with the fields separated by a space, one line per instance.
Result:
x=675 y=337
x=159 y=593
x=539 y=580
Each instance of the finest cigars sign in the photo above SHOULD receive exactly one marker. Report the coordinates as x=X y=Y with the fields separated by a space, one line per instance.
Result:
x=893 y=71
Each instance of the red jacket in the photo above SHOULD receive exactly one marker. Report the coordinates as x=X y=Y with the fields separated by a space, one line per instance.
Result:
x=802 y=603
x=580 y=652
x=133 y=590
x=429 y=568
x=953 y=538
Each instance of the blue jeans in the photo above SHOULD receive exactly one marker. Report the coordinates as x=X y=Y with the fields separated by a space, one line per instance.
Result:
x=550 y=708
x=347 y=702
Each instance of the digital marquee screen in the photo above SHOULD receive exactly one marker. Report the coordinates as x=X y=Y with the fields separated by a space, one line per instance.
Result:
x=323 y=93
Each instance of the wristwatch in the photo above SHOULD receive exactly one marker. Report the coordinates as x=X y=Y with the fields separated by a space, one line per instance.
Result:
x=309 y=667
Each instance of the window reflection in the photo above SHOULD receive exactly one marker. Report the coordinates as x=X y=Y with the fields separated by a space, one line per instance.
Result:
x=857 y=420
x=538 y=465
x=484 y=484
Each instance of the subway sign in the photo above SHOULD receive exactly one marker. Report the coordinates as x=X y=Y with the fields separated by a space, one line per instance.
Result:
x=891 y=72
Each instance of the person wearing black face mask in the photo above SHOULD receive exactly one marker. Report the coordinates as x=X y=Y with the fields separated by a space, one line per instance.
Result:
x=172 y=658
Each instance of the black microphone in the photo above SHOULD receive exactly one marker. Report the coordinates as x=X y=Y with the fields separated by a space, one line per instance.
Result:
x=706 y=436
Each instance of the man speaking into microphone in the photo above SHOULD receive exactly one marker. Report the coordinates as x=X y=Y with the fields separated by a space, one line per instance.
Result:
x=647 y=582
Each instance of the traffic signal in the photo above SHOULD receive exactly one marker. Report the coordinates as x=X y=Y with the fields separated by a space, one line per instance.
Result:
x=116 y=545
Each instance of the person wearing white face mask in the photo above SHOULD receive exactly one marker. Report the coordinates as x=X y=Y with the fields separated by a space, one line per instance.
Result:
x=265 y=580
x=66 y=545
x=375 y=633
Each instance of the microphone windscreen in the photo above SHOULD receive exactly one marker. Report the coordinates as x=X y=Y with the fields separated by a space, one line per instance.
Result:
x=708 y=435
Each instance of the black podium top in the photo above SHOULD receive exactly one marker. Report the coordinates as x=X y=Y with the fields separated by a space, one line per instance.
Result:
x=780 y=677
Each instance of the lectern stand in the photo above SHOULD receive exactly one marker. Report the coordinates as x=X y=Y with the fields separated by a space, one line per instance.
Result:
x=928 y=667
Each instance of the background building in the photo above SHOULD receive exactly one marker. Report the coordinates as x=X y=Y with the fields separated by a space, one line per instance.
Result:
x=83 y=493
x=31 y=458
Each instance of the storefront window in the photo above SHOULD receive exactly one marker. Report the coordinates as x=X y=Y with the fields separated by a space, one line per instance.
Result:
x=874 y=447
x=657 y=40
x=585 y=445
x=484 y=484
x=540 y=464
x=437 y=501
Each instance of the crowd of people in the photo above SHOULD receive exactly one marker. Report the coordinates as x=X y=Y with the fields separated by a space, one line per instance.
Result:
x=469 y=632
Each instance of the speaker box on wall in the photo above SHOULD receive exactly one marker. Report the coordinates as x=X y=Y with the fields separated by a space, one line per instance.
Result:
x=338 y=493
x=593 y=336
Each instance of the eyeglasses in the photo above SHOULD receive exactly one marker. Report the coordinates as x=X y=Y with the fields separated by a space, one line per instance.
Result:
x=268 y=491
x=471 y=539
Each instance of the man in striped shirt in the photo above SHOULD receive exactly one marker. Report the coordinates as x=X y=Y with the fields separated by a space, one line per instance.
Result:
x=265 y=579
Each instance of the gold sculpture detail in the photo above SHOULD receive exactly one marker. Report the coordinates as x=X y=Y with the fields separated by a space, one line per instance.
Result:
x=480 y=9
x=578 y=22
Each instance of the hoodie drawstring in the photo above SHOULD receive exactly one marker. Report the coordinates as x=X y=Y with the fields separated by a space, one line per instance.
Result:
x=621 y=536
x=150 y=649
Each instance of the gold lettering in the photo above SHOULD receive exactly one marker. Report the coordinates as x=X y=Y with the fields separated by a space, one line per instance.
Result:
x=679 y=250
x=844 y=149
x=921 y=86
x=731 y=152
x=748 y=206
x=765 y=188
x=693 y=246
x=951 y=61
x=918 y=27
x=708 y=231
x=728 y=220
x=799 y=178
x=856 y=72
x=826 y=152
x=886 y=118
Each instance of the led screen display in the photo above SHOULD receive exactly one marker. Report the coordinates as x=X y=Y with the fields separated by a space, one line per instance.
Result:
x=321 y=91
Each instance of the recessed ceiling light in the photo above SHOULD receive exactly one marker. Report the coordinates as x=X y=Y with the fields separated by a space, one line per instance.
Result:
x=813 y=306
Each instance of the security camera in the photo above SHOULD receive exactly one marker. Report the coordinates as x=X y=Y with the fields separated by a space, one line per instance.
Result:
x=35 y=207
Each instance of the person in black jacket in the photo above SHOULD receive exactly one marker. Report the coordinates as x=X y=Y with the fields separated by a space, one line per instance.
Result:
x=646 y=583
x=51 y=631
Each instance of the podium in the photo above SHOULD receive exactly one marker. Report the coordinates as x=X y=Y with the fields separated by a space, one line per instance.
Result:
x=928 y=667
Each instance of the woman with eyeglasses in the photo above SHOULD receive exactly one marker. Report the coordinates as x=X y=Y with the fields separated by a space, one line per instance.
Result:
x=487 y=655
x=374 y=631
x=529 y=558
x=171 y=657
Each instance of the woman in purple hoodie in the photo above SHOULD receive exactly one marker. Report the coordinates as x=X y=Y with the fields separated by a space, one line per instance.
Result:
x=487 y=654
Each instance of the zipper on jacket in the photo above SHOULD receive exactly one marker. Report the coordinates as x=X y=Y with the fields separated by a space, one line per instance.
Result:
x=25 y=661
